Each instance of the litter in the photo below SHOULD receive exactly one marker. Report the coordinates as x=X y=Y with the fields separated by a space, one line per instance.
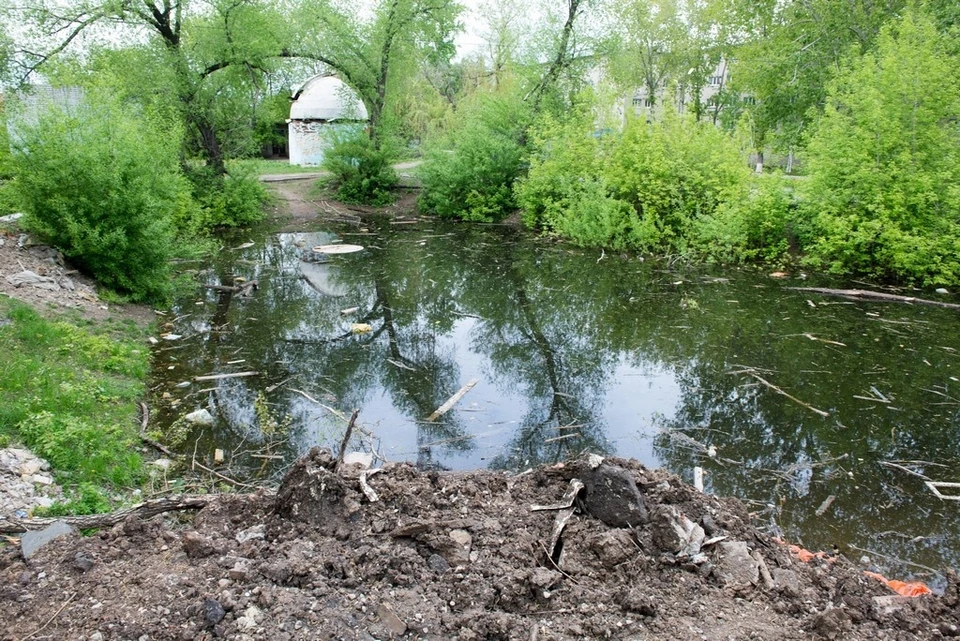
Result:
x=911 y=589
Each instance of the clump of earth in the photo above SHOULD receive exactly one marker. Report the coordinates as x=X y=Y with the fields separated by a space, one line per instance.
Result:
x=589 y=549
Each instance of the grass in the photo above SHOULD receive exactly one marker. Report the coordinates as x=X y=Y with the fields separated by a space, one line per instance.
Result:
x=69 y=392
x=263 y=166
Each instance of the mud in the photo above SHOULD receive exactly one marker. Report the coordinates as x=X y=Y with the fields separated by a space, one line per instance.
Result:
x=452 y=556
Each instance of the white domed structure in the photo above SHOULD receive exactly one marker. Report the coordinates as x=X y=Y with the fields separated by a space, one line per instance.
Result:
x=323 y=108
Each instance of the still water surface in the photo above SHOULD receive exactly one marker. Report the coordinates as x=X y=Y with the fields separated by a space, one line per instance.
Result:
x=578 y=350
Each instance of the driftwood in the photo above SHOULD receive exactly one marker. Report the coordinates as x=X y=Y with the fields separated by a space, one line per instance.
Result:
x=143 y=510
x=453 y=400
x=245 y=289
x=217 y=377
x=144 y=420
x=865 y=294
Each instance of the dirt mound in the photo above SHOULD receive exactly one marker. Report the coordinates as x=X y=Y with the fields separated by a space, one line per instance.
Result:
x=454 y=556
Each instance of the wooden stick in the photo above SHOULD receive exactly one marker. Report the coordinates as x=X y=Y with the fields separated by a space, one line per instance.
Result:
x=346 y=439
x=453 y=400
x=50 y=620
x=217 y=377
x=792 y=398
x=225 y=479
x=143 y=510
x=864 y=294
x=144 y=419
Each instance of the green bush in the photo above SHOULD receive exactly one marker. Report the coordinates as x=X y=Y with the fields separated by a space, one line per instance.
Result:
x=757 y=225
x=363 y=174
x=884 y=191
x=101 y=185
x=673 y=173
x=565 y=191
x=232 y=200
x=470 y=173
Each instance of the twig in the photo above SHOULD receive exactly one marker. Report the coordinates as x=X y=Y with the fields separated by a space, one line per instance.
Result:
x=346 y=439
x=144 y=420
x=864 y=294
x=217 y=377
x=50 y=620
x=764 y=570
x=365 y=487
x=453 y=400
x=897 y=560
x=553 y=563
x=792 y=398
x=561 y=438
x=905 y=469
x=223 y=478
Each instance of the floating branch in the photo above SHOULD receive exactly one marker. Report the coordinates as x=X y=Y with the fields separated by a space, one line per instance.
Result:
x=776 y=389
x=217 y=377
x=865 y=294
x=453 y=400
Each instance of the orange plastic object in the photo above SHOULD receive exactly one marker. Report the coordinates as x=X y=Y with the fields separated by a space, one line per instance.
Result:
x=805 y=556
x=903 y=589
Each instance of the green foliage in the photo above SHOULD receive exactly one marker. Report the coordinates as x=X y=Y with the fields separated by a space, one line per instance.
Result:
x=234 y=199
x=362 y=173
x=85 y=498
x=70 y=393
x=470 y=173
x=758 y=225
x=673 y=173
x=101 y=185
x=884 y=193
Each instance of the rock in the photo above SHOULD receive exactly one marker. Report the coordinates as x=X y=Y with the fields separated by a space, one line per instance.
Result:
x=611 y=495
x=40 y=479
x=213 y=612
x=162 y=463
x=250 y=618
x=27 y=277
x=199 y=417
x=196 y=545
x=675 y=533
x=948 y=629
x=30 y=467
x=391 y=621
x=83 y=562
x=636 y=600
x=737 y=567
x=251 y=533
x=543 y=578
x=237 y=573
x=942 y=290
x=9 y=218
x=786 y=580
x=437 y=563
x=32 y=541
x=96 y=636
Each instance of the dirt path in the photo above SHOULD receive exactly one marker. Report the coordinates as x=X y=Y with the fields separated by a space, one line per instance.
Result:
x=445 y=556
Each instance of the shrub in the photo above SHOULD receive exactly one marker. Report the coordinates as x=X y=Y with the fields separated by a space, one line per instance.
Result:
x=884 y=190
x=363 y=174
x=231 y=200
x=101 y=185
x=757 y=225
x=470 y=173
x=673 y=173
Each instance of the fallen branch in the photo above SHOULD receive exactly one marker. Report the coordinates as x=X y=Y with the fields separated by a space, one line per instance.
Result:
x=143 y=510
x=346 y=439
x=865 y=294
x=453 y=400
x=217 y=377
x=796 y=400
x=225 y=479
x=144 y=420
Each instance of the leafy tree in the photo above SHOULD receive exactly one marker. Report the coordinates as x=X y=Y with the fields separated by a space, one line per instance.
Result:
x=374 y=55
x=884 y=194
x=200 y=58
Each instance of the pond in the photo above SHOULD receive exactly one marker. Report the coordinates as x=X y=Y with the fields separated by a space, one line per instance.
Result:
x=822 y=414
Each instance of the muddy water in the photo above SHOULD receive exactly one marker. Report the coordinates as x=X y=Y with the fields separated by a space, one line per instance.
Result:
x=580 y=350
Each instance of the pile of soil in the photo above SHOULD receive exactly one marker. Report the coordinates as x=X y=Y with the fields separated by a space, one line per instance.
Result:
x=63 y=288
x=453 y=556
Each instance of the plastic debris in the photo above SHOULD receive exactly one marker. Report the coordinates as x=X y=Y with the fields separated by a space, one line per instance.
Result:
x=911 y=589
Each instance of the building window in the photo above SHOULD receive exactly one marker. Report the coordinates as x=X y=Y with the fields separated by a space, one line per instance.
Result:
x=716 y=81
x=749 y=100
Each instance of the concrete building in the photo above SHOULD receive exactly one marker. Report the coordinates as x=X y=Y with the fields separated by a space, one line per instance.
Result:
x=323 y=108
